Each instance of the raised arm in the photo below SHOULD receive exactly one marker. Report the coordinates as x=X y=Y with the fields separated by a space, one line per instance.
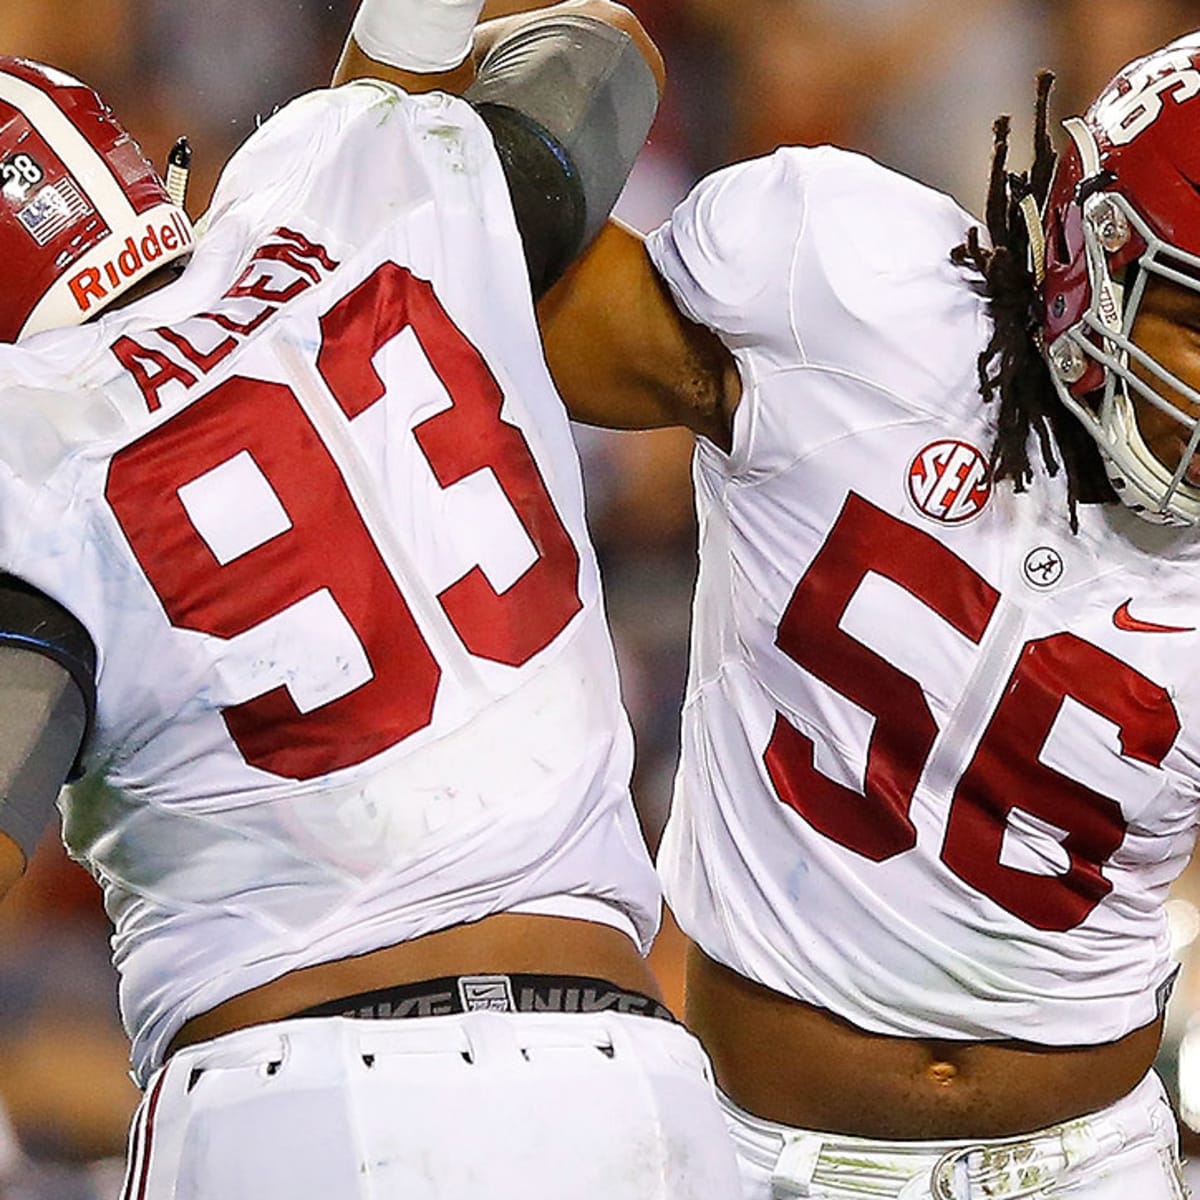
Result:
x=413 y=43
x=569 y=91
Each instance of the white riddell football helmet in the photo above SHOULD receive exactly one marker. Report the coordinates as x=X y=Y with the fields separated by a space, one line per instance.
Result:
x=83 y=215
x=1124 y=206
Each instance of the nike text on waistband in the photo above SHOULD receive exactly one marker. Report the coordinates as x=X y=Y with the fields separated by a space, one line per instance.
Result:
x=492 y=993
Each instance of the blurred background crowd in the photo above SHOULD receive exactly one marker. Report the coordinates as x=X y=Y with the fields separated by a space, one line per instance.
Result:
x=915 y=83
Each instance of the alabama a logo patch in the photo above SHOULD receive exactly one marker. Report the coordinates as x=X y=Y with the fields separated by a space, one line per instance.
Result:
x=949 y=482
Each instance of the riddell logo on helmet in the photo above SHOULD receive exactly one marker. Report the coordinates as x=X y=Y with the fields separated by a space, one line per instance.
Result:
x=93 y=285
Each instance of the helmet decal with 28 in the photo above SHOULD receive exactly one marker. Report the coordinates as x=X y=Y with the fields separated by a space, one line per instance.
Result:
x=83 y=214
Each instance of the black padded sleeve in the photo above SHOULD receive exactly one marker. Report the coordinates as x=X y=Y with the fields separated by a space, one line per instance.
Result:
x=547 y=195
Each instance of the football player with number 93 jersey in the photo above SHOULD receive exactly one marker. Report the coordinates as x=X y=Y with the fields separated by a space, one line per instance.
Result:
x=941 y=740
x=296 y=575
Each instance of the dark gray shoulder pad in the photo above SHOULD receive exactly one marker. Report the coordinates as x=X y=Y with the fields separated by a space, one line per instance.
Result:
x=31 y=619
x=589 y=98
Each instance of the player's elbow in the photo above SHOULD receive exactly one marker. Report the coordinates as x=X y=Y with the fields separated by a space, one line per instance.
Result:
x=622 y=18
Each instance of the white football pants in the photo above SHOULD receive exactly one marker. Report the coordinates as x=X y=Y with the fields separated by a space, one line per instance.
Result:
x=475 y=1106
x=1127 y=1152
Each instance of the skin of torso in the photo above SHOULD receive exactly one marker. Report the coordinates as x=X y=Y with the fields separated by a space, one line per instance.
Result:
x=799 y=1065
x=507 y=943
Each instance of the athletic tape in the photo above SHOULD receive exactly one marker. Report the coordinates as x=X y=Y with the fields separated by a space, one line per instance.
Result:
x=424 y=36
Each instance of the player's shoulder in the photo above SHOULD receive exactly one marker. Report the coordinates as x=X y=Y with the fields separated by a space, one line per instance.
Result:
x=880 y=218
x=725 y=250
x=291 y=142
x=875 y=291
x=41 y=366
x=740 y=219
x=736 y=250
x=763 y=205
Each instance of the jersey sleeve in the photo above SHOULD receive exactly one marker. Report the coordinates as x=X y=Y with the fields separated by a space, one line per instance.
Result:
x=274 y=161
x=727 y=252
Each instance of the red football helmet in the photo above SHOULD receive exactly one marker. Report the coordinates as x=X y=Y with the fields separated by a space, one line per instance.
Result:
x=1126 y=194
x=83 y=215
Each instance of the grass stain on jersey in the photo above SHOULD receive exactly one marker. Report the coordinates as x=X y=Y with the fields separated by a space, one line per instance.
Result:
x=451 y=138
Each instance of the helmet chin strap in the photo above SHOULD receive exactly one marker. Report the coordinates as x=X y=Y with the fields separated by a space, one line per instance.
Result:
x=1129 y=484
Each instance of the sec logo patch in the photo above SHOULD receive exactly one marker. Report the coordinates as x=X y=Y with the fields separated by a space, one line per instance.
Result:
x=949 y=482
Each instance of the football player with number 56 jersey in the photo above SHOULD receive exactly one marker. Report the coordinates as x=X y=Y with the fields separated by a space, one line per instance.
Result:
x=941 y=740
x=296 y=575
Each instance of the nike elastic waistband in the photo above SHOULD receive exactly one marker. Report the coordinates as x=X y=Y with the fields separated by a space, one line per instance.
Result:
x=493 y=993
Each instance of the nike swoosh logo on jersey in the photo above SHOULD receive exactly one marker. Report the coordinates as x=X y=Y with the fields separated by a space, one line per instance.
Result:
x=1130 y=624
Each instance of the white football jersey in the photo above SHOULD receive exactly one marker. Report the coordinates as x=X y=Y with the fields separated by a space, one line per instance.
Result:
x=940 y=756
x=319 y=507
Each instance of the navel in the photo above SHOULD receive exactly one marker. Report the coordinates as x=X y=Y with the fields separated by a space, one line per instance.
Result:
x=941 y=1073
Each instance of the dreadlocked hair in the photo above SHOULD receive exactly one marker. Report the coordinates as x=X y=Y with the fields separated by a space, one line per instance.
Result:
x=1012 y=367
